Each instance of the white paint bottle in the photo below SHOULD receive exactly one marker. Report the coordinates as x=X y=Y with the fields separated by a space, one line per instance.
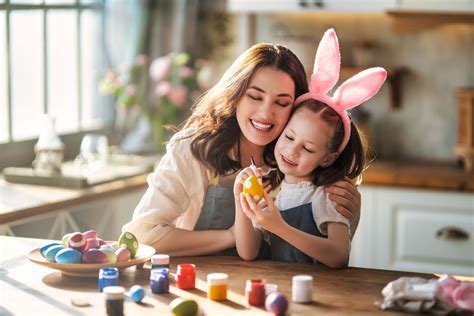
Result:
x=302 y=289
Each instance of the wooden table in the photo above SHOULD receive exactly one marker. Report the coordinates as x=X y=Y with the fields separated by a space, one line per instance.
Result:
x=27 y=288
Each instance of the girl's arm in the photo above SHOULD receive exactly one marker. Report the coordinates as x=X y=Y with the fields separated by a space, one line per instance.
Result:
x=333 y=251
x=346 y=198
x=247 y=238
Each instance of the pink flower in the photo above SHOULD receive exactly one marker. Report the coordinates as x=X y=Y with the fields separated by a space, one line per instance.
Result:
x=110 y=75
x=131 y=90
x=185 y=72
x=178 y=95
x=160 y=68
x=162 y=88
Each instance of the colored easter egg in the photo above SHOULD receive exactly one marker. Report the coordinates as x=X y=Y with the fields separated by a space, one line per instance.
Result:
x=94 y=256
x=110 y=255
x=92 y=243
x=254 y=187
x=115 y=245
x=123 y=254
x=77 y=241
x=130 y=241
x=137 y=293
x=276 y=303
x=43 y=249
x=68 y=255
x=65 y=239
x=102 y=242
x=90 y=234
x=184 y=307
x=107 y=248
x=50 y=254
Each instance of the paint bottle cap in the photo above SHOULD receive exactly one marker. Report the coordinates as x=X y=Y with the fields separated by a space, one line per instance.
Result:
x=160 y=259
x=303 y=280
x=114 y=292
x=217 y=278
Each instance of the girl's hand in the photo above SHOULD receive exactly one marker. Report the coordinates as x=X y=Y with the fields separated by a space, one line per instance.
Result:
x=346 y=199
x=265 y=213
x=242 y=176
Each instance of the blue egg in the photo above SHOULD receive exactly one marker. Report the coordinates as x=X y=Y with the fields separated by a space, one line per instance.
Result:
x=137 y=293
x=51 y=252
x=68 y=255
x=107 y=248
x=45 y=247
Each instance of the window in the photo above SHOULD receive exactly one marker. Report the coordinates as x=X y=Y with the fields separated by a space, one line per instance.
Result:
x=53 y=61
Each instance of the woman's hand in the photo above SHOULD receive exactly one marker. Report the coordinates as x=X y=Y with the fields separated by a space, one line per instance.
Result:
x=242 y=176
x=264 y=213
x=346 y=199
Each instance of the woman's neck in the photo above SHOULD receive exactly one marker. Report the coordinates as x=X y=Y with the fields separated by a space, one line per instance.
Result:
x=247 y=149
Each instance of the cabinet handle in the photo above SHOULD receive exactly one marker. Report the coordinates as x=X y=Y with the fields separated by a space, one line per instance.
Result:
x=452 y=233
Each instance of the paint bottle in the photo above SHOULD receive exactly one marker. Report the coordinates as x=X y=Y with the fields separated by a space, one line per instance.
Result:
x=217 y=286
x=108 y=277
x=160 y=261
x=302 y=289
x=255 y=292
x=159 y=281
x=186 y=276
x=114 y=296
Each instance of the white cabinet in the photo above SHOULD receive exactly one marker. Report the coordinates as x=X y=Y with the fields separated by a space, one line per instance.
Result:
x=438 y=5
x=415 y=230
x=282 y=6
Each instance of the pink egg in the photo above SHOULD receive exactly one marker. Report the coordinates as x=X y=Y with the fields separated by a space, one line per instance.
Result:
x=123 y=254
x=90 y=234
x=77 y=241
x=94 y=256
x=92 y=243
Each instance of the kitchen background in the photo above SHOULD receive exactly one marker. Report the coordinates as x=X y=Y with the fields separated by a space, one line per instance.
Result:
x=414 y=216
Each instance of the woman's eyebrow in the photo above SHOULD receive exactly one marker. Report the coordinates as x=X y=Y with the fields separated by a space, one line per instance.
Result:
x=279 y=95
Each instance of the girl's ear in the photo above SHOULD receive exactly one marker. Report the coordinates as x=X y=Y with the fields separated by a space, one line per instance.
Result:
x=329 y=159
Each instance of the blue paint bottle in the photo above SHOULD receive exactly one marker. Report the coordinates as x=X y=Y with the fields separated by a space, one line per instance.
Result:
x=159 y=280
x=108 y=277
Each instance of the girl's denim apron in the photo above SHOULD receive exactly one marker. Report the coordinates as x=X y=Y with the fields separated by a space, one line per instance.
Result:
x=300 y=217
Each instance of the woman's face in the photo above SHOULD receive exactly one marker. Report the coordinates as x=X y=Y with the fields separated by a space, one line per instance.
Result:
x=303 y=146
x=264 y=109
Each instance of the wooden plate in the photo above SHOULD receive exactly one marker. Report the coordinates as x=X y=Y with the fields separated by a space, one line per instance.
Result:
x=143 y=254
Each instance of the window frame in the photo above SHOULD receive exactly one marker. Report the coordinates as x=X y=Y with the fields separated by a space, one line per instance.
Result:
x=21 y=153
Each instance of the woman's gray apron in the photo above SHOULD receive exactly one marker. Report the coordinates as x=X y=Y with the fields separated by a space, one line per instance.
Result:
x=218 y=213
x=300 y=217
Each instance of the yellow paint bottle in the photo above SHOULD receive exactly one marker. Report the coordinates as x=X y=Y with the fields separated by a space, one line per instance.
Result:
x=217 y=286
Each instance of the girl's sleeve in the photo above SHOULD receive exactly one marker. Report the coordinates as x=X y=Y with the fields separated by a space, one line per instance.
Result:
x=174 y=196
x=325 y=212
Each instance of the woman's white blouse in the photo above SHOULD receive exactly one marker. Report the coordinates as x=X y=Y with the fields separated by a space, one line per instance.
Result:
x=175 y=194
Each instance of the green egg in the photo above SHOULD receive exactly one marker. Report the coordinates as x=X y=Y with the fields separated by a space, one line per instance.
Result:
x=184 y=307
x=129 y=240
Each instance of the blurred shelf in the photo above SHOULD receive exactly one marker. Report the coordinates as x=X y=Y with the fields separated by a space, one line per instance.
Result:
x=416 y=20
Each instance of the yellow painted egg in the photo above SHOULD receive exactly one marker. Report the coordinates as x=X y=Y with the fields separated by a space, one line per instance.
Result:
x=254 y=187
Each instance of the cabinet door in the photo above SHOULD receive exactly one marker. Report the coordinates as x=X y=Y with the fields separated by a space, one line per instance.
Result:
x=425 y=231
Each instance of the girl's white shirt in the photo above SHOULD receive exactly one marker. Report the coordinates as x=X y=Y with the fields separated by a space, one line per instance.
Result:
x=175 y=194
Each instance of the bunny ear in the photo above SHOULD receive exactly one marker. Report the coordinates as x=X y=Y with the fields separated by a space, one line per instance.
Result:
x=359 y=88
x=326 y=64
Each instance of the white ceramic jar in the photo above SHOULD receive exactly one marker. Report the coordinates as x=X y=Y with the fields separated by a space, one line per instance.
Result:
x=302 y=289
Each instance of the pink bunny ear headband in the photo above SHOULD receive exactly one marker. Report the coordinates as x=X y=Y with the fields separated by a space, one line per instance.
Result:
x=354 y=91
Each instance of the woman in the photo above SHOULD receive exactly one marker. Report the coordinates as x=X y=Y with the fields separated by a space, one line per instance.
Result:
x=188 y=208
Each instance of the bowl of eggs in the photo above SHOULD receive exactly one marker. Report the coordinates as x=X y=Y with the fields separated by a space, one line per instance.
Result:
x=84 y=254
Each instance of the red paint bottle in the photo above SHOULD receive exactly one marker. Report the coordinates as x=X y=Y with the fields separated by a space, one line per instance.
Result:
x=186 y=276
x=255 y=292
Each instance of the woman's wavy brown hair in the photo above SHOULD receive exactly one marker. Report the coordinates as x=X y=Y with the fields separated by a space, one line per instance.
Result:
x=214 y=115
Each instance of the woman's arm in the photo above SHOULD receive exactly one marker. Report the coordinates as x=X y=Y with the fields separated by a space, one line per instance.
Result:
x=346 y=199
x=247 y=238
x=180 y=242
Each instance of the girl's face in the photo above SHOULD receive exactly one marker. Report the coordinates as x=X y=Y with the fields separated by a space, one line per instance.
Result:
x=303 y=146
x=265 y=107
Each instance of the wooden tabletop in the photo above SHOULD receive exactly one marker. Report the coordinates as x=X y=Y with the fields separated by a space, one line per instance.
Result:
x=18 y=201
x=27 y=288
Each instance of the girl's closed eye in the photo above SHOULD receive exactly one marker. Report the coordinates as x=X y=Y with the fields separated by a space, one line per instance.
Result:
x=289 y=137
x=308 y=150
x=283 y=104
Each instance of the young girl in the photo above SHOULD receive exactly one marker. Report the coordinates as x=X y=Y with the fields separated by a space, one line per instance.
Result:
x=188 y=208
x=319 y=145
